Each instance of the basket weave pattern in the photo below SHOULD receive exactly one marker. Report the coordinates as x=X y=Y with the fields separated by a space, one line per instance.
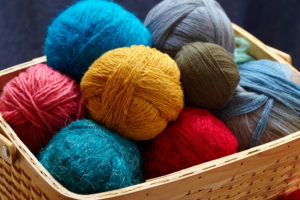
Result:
x=280 y=177
x=16 y=184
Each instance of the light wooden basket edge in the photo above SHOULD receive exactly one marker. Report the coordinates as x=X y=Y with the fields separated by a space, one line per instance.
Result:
x=262 y=51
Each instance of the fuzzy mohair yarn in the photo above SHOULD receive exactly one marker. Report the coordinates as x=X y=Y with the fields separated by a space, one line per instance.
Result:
x=195 y=137
x=240 y=51
x=38 y=103
x=87 y=158
x=209 y=74
x=86 y=30
x=135 y=91
x=174 y=23
x=265 y=107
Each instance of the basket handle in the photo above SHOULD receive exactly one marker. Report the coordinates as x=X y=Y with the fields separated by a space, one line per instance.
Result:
x=7 y=149
x=283 y=55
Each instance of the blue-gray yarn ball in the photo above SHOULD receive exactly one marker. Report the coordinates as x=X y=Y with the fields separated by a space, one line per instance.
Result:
x=87 y=158
x=86 y=30
x=174 y=23
x=265 y=106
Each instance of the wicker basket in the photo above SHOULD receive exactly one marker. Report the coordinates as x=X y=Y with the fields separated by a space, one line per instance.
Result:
x=263 y=172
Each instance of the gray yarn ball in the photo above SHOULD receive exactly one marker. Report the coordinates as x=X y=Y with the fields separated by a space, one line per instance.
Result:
x=174 y=23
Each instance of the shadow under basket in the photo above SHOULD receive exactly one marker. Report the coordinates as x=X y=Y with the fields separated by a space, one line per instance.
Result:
x=263 y=172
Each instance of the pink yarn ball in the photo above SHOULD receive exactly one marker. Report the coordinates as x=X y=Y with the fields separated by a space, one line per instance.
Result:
x=38 y=103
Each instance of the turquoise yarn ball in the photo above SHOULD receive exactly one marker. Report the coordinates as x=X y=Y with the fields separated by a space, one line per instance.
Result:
x=86 y=30
x=87 y=158
x=240 y=51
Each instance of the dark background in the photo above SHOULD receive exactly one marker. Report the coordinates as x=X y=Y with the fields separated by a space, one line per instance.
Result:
x=23 y=24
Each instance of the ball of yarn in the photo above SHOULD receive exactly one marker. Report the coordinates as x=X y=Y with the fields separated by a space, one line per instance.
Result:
x=174 y=23
x=38 y=103
x=240 y=52
x=208 y=73
x=87 y=158
x=265 y=107
x=195 y=137
x=83 y=32
x=135 y=91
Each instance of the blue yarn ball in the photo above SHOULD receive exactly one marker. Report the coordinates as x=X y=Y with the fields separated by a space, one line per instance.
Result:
x=265 y=106
x=87 y=158
x=86 y=30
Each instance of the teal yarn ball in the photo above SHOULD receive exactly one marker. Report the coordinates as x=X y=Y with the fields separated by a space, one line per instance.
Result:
x=240 y=51
x=87 y=158
x=86 y=30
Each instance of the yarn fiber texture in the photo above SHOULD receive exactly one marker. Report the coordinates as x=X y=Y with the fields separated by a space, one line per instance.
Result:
x=240 y=52
x=265 y=107
x=209 y=75
x=195 y=137
x=135 y=91
x=174 y=23
x=87 y=158
x=86 y=30
x=38 y=103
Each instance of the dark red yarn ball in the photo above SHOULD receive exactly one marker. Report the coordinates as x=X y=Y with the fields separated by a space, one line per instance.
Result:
x=293 y=196
x=195 y=137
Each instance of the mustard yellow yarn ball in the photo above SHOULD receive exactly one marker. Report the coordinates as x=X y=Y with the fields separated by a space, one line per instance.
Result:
x=133 y=90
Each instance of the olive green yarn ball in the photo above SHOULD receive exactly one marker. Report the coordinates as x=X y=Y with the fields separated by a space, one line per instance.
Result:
x=209 y=74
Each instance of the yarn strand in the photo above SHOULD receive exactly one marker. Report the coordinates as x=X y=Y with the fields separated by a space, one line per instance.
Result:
x=275 y=86
x=261 y=126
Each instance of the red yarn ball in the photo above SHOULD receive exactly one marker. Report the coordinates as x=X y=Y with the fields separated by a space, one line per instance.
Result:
x=38 y=103
x=293 y=196
x=195 y=137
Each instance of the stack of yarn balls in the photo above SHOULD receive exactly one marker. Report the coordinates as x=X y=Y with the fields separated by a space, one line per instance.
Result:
x=163 y=86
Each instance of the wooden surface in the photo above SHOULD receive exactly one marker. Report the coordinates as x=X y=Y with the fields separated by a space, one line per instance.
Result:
x=263 y=172
x=7 y=150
